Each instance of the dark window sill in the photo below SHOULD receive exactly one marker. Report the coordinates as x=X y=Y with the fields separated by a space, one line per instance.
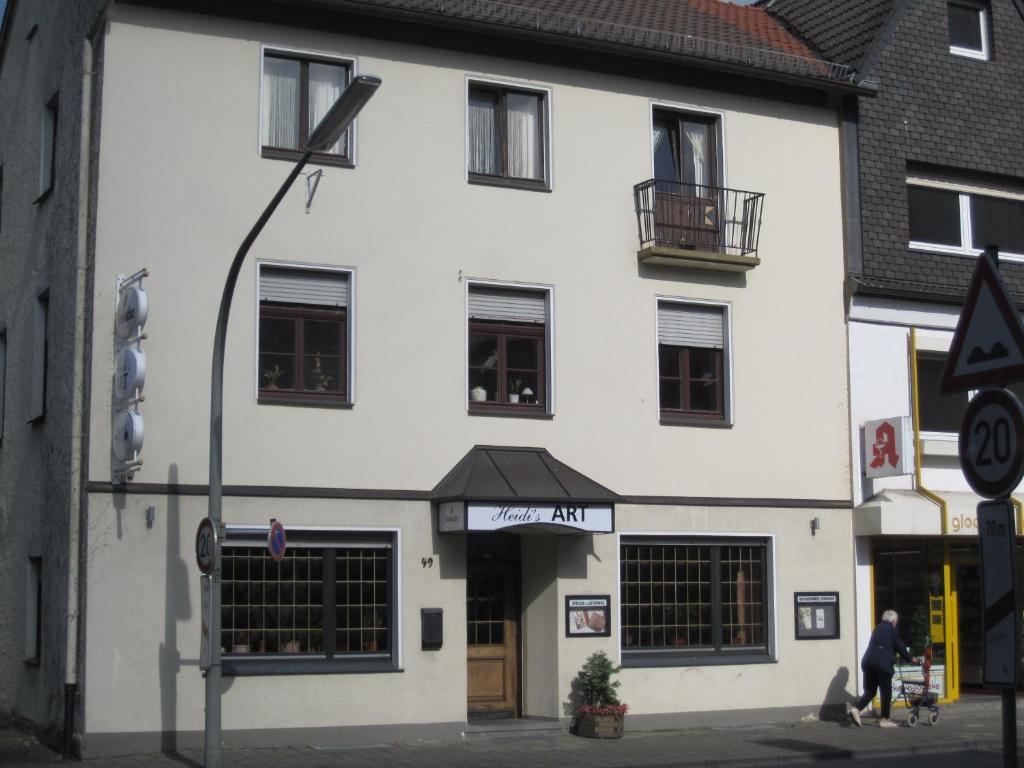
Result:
x=43 y=196
x=696 y=658
x=268 y=665
x=33 y=662
x=692 y=420
x=513 y=411
x=318 y=158
x=510 y=183
x=305 y=400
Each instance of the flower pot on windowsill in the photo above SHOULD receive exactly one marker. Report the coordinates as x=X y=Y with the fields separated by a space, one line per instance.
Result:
x=513 y=398
x=478 y=394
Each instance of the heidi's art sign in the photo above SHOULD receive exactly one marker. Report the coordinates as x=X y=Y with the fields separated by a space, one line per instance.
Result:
x=565 y=516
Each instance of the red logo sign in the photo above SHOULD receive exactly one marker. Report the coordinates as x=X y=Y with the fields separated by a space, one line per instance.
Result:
x=884 y=448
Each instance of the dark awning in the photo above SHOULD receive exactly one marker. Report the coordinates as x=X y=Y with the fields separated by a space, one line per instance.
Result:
x=496 y=473
x=500 y=488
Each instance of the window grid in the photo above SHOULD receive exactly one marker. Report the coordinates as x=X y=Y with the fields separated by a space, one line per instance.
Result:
x=363 y=598
x=485 y=609
x=742 y=575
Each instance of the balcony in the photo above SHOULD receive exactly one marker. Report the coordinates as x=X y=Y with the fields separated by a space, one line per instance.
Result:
x=696 y=226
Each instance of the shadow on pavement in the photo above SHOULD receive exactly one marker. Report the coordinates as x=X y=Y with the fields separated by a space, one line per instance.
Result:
x=823 y=751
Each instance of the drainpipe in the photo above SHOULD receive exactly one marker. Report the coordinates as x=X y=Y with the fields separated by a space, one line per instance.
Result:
x=79 y=413
x=915 y=403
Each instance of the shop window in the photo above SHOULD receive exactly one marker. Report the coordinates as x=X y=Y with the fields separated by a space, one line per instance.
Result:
x=691 y=362
x=508 y=343
x=34 y=610
x=37 y=402
x=297 y=92
x=694 y=601
x=969 y=22
x=965 y=222
x=937 y=412
x=507 y=130
x=329 y=602
x=303 y=336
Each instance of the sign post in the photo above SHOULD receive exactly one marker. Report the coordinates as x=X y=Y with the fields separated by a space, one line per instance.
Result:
x=988 y=351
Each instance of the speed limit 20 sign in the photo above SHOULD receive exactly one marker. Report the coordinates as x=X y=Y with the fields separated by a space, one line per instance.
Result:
x=206 y=545
x=992 y=443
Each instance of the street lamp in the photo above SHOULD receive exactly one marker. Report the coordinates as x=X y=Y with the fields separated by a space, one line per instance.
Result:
x=327 y=132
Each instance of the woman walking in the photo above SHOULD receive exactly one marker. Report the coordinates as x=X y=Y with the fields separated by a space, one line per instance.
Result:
x=883 y=647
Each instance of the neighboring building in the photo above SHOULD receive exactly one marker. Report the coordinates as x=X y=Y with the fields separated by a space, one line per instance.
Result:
x=941 y=175
x=531 y=294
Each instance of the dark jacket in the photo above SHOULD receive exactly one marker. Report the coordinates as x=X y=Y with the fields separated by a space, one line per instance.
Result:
x=885 y=643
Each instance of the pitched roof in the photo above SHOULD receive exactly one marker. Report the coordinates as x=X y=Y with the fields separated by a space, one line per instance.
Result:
x=715 y=31
x=491 y=473
x=840 y=30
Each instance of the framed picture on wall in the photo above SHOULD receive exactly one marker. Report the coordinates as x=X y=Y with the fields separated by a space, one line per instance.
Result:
x=588 y=616
x=817 y=615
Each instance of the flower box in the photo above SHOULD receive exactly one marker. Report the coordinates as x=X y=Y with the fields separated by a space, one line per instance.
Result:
x=600 y=726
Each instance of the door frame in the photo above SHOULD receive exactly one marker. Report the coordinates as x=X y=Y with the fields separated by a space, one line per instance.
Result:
x=513 y=626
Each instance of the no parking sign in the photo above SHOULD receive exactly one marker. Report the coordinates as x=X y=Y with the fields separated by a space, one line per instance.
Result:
x=277 y=542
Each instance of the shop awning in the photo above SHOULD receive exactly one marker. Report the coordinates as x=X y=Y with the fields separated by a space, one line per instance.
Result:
x=497 y=488
x=908 y=513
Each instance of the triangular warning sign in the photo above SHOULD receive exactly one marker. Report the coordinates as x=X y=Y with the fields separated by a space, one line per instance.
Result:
x=988 y=347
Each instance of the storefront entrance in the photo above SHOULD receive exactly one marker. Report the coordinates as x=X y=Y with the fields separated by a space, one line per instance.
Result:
x=492 y=625
x=965 y=589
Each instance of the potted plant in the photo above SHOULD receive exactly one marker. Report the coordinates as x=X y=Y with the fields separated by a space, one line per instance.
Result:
x=600 y=714
x=272 y=375
x=322 y=381
x=515 y=387
x=478 y=394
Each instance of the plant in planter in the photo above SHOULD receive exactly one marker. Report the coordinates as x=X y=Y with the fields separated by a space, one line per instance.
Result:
x=272 y=375
x=600 y=714
x=515 y=387
x=322 y=381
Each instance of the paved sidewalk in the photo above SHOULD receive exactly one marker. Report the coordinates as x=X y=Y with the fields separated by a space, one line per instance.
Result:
x=961 y=726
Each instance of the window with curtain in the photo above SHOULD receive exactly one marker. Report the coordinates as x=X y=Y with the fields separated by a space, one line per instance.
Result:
x=506 y=136
x=507 y=349
x=303 y=335
x=684 y=601
x=691 y=361
x=686 y=151
x=297 y=92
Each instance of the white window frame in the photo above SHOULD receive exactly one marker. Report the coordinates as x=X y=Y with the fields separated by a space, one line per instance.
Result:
x=350 y=321
x=984 y=21
x=545 y=91
x=549 y=333
x=965 y=192
x=351 y=61
x=37 y=399
x=773 y=593
x=728 y=418
x=698 y=111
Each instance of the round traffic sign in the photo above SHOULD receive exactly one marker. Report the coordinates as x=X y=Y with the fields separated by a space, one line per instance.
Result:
x=276 y=541
x=206 y=545
x=992 y=443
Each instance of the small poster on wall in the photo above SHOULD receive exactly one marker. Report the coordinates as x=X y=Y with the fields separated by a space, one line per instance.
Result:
x=588 y=616
x=817 y=615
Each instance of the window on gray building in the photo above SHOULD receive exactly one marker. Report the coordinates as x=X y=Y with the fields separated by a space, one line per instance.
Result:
x=48 y=148
x=961 y=221
x=3 y=380
x=37 y=401
x=969 y=28
x=33 y=610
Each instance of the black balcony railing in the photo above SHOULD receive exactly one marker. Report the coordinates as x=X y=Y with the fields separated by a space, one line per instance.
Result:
x=672 y=214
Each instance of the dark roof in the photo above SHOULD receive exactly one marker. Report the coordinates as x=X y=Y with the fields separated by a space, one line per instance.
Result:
x=492 y=473
x=710 y=30
x=839 y=30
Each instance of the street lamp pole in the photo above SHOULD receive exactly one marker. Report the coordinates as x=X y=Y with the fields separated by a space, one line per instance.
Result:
x=326 y=133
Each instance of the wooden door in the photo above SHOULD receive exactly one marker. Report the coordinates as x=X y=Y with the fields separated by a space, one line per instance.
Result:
x=492 y=638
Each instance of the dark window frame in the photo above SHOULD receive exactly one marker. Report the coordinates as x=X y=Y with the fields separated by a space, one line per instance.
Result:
x=52 y=107
x=304 y=128
x=35 y=610
x=717 y=653
x=685 y=413
x=506 y=331
x=983 y=11
x=328 y=660
x=40 y=357
x=298 y=395
x=673 y=120
x=503 y=179
x=939 y=360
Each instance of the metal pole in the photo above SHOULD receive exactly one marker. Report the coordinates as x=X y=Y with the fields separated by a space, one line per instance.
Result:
x=1009 y=728
x=211 y=747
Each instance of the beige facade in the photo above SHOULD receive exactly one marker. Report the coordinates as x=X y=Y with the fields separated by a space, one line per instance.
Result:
x=180 y=182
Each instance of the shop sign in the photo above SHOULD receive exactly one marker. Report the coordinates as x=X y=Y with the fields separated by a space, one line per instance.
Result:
x=567 y=515
x=886 y=447
x=911 y=678
x=588 y=616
